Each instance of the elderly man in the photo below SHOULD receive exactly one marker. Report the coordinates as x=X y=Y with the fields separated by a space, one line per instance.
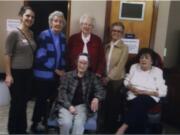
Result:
x=79 y=94
x=86 y=42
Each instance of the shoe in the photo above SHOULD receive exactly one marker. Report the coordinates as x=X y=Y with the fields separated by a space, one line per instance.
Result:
x=38 y=128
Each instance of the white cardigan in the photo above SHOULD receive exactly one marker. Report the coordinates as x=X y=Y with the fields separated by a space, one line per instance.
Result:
x=151 y=80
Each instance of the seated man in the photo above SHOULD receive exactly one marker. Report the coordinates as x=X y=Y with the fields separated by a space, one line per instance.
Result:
x=79 y=94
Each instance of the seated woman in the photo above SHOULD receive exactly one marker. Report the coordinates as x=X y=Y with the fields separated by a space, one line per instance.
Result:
x=145 y=85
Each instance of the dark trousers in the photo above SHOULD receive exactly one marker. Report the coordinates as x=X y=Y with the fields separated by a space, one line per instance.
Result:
x=136 y=117
x=20 y=91
x=113 y=106
x=45 y=95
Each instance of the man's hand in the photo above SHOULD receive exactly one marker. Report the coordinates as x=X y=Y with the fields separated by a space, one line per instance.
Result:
x=73 y=110
x=94 y=104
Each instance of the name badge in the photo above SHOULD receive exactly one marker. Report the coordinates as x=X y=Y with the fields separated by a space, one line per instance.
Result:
x=25 y=41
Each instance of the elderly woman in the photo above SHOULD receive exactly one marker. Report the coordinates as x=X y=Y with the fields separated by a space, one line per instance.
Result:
x=145 y=85
x=20 y=47
x=86 y=42
x=49 y=66
x=116 y=57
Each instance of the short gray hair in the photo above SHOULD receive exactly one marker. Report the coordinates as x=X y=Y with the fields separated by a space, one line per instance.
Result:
x=85 y=16
x=56 y=13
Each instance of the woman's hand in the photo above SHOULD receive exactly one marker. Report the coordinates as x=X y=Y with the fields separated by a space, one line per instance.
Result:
x=9 y=80
x=60 y=72
x=136 y=91
x=150 y=93
x=143 y=92
x=105 y=80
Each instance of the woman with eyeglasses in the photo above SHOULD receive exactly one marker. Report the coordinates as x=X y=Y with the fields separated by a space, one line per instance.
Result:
x=116 y=57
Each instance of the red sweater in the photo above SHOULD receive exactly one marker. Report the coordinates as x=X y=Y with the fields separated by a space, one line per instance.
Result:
x=95 y=51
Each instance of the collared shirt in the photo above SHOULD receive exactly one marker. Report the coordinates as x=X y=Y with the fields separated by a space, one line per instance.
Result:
x=85 y=40
x=112 y=44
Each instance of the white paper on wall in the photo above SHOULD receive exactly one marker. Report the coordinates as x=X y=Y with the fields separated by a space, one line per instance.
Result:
x=12 y=24
x=133 y=45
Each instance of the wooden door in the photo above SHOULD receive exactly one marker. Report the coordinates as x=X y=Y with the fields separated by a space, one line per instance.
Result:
x=143 y=30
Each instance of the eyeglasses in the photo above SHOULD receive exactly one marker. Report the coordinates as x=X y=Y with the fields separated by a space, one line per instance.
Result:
x=87 y=24
x=118 y=31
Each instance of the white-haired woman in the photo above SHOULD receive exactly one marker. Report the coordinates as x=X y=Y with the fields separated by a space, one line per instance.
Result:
x=49 y=66
x=86 y=42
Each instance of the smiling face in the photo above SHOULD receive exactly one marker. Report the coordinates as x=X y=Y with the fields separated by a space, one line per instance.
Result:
x=145 y=62
x=27 y=19
x=87 y=26
x=82 y=66
x=57 y=24
x=116 y=33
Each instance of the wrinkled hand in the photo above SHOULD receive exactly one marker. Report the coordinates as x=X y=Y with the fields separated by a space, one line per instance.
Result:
x=150 y=93
x=105 y=80
x=9 y=80
x=60 y=72
x=144 y=92
x=134 y=90
x=73 y=110
x=94 y=104
x=98 y=75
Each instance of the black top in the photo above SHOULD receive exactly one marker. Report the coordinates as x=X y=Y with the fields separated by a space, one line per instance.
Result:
x=78 y=96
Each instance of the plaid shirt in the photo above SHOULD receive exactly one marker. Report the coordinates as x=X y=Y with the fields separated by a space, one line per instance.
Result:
x=91 y=88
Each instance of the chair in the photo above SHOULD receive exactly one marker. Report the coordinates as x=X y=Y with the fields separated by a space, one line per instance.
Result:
x=91 y=124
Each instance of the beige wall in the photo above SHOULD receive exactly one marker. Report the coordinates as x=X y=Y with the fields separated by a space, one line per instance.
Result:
x=8 y=10
x=95 y=8
x=168 y=32
x=161 y=28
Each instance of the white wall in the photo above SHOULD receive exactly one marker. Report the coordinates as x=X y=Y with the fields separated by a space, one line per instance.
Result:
x=8 y=10
x=94 y=8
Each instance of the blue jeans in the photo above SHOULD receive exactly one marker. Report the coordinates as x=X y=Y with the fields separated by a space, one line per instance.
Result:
x=75 y=123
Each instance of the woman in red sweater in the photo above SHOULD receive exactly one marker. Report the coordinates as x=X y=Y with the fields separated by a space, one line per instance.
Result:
x=86 y=42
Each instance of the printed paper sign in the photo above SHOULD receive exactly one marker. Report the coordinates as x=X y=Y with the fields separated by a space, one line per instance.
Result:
x=12 y=24
x=133 y=45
